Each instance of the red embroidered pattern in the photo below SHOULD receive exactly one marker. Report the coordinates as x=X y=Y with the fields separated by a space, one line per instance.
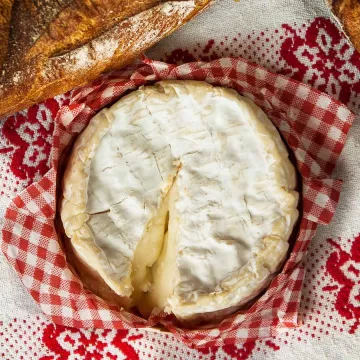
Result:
x=323 y=58
x=241 y=352
x=64 y=343
x=29 y=135
x=203 y=53
x=320 y=55
x=344 y=269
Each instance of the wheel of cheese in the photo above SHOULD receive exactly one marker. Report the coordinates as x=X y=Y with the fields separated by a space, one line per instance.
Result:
x=181 y=197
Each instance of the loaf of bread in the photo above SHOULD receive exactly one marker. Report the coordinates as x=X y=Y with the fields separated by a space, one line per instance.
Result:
x=48 y=47
x=347 y=12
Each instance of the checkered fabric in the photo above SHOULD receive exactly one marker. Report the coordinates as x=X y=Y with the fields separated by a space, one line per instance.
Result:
x=314 y=126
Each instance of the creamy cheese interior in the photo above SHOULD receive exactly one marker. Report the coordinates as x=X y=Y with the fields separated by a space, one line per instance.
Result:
x=161 y=274
x=190 y=198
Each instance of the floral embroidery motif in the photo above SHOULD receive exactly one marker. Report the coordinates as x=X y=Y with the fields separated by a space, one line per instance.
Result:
x=344 y=268
x=29 y=137
x=68 y=343
x=323 y=58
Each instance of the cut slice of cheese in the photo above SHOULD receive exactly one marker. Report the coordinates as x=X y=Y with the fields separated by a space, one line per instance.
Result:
x=163 y=271
x=148 y=252
x=182 y=197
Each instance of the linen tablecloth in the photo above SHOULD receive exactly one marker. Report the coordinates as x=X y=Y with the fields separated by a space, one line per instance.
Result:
x=297 y=38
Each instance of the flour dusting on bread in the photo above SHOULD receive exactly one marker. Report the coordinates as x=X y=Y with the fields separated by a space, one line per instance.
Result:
x=71 y=51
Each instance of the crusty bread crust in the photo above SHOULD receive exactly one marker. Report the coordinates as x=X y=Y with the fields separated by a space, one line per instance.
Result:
x=5 y=15
x=61 y=44
x=347 y=12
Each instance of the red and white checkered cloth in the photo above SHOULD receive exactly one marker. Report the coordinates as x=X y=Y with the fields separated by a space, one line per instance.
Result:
x=314 y=126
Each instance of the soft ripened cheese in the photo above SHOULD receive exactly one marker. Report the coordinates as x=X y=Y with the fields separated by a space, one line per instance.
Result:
x=181 y=196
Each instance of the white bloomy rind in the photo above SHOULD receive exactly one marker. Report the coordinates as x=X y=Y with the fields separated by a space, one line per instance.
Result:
x=232 y=204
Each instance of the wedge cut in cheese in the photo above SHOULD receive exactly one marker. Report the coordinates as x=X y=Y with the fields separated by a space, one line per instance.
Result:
x=182 y=197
